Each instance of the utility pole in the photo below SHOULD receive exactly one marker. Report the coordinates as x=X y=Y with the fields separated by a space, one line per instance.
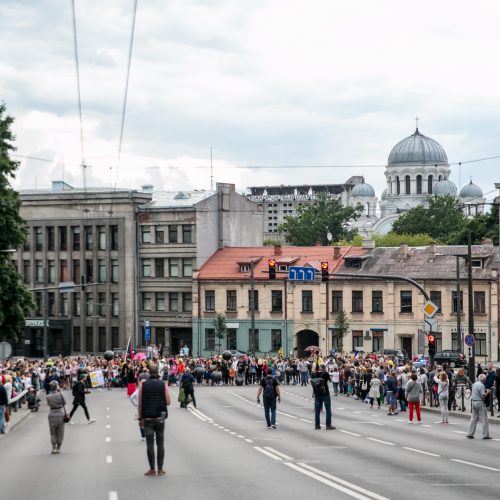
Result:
x=45 y=316
x=252 y=308
x=472 y=360
x=459 y=318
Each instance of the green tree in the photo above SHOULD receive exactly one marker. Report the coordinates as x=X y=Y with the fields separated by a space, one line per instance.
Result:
x=481 y=226
x=220 y=328
x=439 y=220
x=313 y=222
x=394 y=240
x=15 y=300
x=342 y=325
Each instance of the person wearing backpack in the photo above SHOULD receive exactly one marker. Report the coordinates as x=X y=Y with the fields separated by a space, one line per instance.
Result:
x=322 y=397
x=270 y=390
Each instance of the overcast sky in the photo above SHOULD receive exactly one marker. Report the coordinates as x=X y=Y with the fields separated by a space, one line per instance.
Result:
x=262 y=82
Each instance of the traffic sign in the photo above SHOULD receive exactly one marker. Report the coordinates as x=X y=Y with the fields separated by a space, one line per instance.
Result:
x=469 y=352
x=470 y=340
x=429 y=309
x=298 y=273
x=147 y=331
x=430 y=325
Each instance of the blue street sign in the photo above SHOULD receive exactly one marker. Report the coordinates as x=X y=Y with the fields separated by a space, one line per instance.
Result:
x=297 y=273
x=469 y=340
x=147 y=331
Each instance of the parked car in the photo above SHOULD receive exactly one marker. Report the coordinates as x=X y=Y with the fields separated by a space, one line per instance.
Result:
x=451 y=358
x=400 y=354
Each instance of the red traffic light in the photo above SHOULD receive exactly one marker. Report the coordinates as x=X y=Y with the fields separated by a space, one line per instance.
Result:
x=271 y=262
x=324 y=265
x=431 y=339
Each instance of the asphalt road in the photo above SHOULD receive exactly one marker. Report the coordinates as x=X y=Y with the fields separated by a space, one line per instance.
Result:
x=223 y=449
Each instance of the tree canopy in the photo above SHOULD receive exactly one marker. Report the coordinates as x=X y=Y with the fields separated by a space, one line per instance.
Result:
x=313 y=222
x=15 y=300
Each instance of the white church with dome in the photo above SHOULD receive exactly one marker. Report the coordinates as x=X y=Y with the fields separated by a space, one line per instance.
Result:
x=416 y=169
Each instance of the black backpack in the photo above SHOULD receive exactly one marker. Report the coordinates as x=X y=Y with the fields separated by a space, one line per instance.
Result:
x=269 y=391
x=319 y=387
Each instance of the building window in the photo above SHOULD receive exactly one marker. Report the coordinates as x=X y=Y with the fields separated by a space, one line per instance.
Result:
x=160 y=301
x=63 y=270
x=146 y=301
x=64 y=304
x=173 y=267
x=455 y=341
x=187 y=268
x=173 y=301
x=479 y=302
x=52 y=303
x=454 y=305
x=337 y=302
x=406 y=301
x=253 y=340
x=357 y=340
x=398 y=186
x=38 y=303
x=407 y=184
x=101 y=234
x=480 y=345
x=231 y=338
x=51 y=265
x=419 y=184
x=146 y=234
x=38 y=239
x=75 y=235
x=76 y=304
x=102 y=338
x=76 y=338
x=146 y=268
x=357 y=301
x=114 y=237
x=276 y=301
x=160 y=268
x=377 y=301
x=102 y=270
x=27 y=271
x=89 y=271
x=89 y=339
x=63 y=238
x=89 y=303
x=51 y=243
x=160 y=335
x=430 y=182
x=209 y=300
x=187 y=235
x=436 y=299
x=307 y=301
x=231 y=300
x=101 y=304
x=172 y=234
x=76 y=271
x=336 y=340
x=39 y=271
x=115 y=304
x=209 y=339
x=160 y=234
x=378 y=341
x=439 y=341
x=275 y=340
x=89 y=238
x=244 y=268
x=187 y=302
x=115 y=271
x=255 y=301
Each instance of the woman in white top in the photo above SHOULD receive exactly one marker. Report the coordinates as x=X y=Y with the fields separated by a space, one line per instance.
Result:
x=374 y=392
x=335 y=376
x=443 y=394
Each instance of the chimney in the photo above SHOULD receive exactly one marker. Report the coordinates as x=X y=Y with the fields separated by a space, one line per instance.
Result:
x=432 y=251
x=336 y=253
x=277 y=250
x=147 y=188
x=368 y=244
x=403 y=250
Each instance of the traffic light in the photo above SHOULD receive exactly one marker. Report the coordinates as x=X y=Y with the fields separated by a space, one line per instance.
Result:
x=324 y=271
x=272 y=268
x=431 y=342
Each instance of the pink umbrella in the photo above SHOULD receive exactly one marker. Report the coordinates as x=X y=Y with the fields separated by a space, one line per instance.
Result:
x=139 y=356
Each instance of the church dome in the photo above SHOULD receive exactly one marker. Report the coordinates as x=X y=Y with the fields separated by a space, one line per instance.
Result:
x=364 y=190
x=418 y=149
x=445 y=187
x=471 y=191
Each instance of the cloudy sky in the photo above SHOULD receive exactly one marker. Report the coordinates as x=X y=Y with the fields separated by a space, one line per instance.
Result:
x=285 y=83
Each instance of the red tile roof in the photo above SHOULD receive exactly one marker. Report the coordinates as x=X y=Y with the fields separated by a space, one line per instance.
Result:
x=225 y=263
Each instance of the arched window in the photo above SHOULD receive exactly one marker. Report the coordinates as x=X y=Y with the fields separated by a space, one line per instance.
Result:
x=419 y=184
x=407 y=184
x=368 y=210
x=429 y=184
x=398 y=188
x=390 y=186
x=440 y=178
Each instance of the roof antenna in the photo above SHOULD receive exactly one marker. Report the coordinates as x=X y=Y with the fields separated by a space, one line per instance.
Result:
x=211 y=172
x=416 y=121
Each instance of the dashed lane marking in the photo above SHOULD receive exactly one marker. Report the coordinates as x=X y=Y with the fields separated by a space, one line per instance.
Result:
x=249 y=440
x=421 y=451
x=108 y=426
x=474 y=464
x=266 y=452
x=108 y=439
x=109 y=459
x=380 y=441
x=113 y=495
x=276 y=452
x=350 y=433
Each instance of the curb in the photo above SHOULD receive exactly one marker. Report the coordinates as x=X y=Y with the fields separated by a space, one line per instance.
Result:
x=19 y=421
x=466 y=415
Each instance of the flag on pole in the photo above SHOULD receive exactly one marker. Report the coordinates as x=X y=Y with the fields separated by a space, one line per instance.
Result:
x=127 y=349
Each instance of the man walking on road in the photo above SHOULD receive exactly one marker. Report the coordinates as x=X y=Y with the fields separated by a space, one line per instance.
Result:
x=153 y=401
x=271 y=389
x=79 y=392
x=322 y=397
x=478 y=394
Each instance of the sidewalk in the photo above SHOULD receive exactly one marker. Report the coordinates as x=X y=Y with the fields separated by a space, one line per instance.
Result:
x=16 y=418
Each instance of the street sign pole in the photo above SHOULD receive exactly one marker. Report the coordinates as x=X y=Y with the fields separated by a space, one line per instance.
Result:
x=472 y=361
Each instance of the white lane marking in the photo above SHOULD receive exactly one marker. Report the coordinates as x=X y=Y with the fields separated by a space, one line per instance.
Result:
x=458 y=484
x=426 y=425
x=332 y=484
x=496 y=439
x=109 y=459
x=459 y=432
x=340 y=408
x=357 y=412
x=363 y=422
x=286 y=414
x=108 y=439
x=305 y=420
x=113 y=495
x=265 y=452
x=107 y=409
x=474 y=465
x=350 y=433
x=327 y=447
x=276 y=452
x=248 y=440
x=107 y=416
x=380 y=441
x=226 y=430
x=421 y=451
x=232 y=433
x=199 y=417
x=108 y=426
x=400 y=420
x=240 y=436
x=229 y=407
